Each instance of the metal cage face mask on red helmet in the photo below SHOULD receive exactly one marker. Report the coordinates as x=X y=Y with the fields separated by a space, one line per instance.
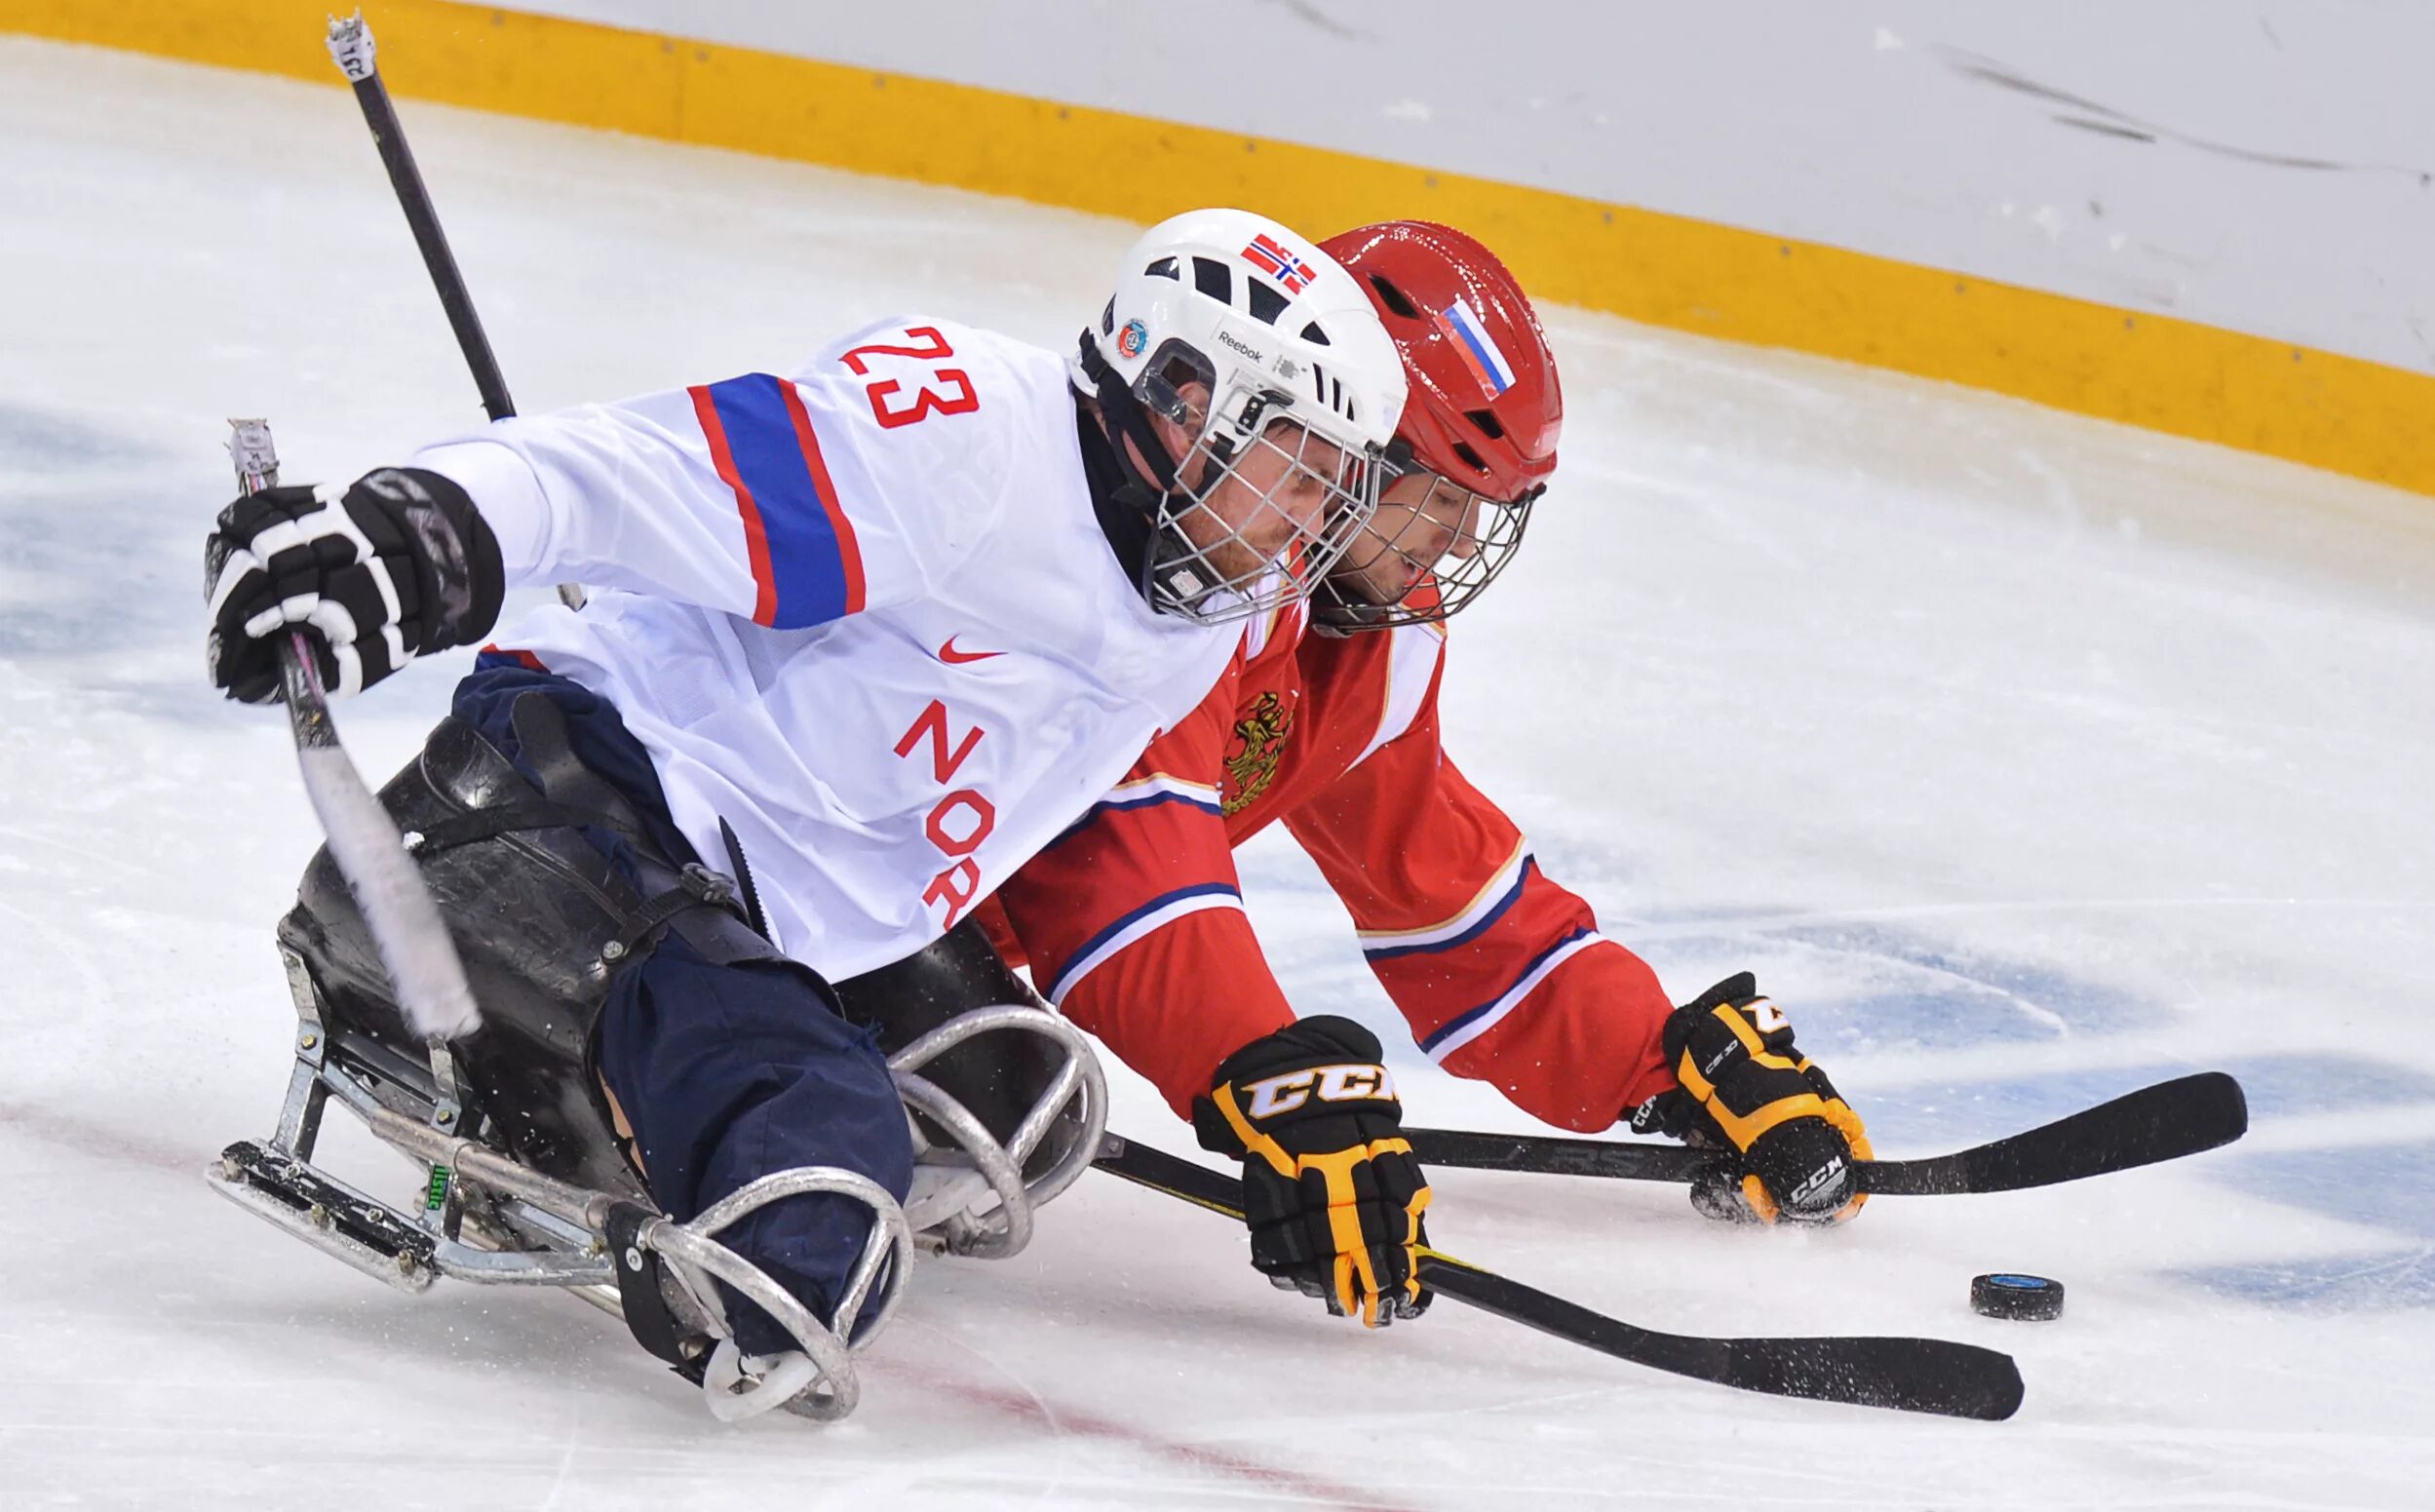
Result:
x=1477 y=435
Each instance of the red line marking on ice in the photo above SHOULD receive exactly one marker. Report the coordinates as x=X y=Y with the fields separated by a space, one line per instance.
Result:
x=97 y=1140
x=1066 y=1419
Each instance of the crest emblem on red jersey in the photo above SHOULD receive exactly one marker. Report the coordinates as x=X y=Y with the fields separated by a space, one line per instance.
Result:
x=1273 y=258
x=1258 y=743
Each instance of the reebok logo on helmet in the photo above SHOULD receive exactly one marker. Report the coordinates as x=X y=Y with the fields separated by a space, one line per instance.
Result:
x=1227 y=338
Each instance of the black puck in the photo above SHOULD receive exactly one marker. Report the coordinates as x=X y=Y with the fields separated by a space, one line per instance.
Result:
x=2023 y=1298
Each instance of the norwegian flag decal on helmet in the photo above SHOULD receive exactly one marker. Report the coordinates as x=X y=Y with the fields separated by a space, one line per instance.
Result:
x=1271 y=257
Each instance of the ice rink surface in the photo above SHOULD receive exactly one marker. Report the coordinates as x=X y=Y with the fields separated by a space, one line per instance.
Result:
x=2025 y=758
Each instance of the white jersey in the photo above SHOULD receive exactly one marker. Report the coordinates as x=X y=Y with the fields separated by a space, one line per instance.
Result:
x=864 y=613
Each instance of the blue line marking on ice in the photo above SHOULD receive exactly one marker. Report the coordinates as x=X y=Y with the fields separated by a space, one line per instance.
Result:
x=2386 y=1280
x=1931 y=1119
x=2284 y=1085
x=1864 y=989
x=82 y=506
x=1951 y=1115
x=2389 y=1186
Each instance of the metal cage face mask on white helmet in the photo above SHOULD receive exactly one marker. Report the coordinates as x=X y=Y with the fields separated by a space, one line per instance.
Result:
x=1288 y=451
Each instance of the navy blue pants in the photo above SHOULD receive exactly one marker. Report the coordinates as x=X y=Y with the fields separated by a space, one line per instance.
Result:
x=726 y=1072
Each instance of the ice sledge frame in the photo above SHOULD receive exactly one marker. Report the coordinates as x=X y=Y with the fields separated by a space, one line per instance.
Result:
x=489 y=1219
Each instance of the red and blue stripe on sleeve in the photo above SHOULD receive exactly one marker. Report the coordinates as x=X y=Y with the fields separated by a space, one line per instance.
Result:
x=1555 y=926
x=807 y=568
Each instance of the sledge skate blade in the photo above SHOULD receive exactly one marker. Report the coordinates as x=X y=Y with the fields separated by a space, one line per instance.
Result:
x=326 y=1213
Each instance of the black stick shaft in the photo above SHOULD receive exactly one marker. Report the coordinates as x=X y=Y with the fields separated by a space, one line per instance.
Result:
x=1553 y=1155
x=2184 y=1116
x=1906 y=1375
x=351 y=46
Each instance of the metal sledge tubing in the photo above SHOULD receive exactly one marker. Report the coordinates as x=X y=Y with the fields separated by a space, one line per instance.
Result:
x=835 y=1389
x=1081 y=1065
x=996 y=1163
x=1081 y=1068
x=518 y=1267
x=888 y=1251
x=587 y=1209
x=473 y=1160
x=1001 y=1164
x=476 y=1162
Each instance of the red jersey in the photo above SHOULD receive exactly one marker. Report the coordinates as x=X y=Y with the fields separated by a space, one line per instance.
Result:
x=1133 y=923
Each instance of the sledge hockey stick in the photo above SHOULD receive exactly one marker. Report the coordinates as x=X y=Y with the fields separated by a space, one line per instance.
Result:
x=2163 y=1122
x=1906 y=1375
x=404 y=923
x=351 y=49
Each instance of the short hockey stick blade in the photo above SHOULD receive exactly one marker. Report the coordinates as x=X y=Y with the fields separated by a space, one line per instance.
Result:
x=1906 y=1374
x=2163 y=1122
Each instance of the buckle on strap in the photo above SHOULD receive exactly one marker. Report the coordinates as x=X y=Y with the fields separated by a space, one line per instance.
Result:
x=968 y=1227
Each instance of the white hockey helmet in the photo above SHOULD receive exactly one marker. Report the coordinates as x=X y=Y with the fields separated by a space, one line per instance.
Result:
x=1305 y=385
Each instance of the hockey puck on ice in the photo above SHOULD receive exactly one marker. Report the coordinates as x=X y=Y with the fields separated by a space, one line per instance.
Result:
x=2026 y=1299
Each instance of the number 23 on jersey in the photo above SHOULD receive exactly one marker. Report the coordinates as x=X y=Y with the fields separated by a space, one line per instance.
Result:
x=937 y=390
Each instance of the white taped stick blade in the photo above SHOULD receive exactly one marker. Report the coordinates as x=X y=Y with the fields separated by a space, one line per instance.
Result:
x=406 y=924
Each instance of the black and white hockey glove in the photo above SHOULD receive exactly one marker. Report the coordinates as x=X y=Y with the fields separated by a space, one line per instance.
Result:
x=1331 y=1190
x=396 y=565
x=1744 y=1089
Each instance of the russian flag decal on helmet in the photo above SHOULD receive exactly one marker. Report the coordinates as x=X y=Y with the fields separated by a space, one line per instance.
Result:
x=1476 y=348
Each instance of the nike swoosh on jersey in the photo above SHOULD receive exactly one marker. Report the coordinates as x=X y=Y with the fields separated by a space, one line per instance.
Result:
x=953 y=657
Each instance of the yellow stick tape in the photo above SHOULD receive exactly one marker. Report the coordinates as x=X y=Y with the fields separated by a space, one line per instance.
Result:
x=2352 y=416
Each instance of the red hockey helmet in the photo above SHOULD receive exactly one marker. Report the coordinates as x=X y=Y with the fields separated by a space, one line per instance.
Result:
x=1481 y=425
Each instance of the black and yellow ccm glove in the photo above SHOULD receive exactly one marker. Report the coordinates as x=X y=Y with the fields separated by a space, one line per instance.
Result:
x=1747 y=1090
x=1330 y=1188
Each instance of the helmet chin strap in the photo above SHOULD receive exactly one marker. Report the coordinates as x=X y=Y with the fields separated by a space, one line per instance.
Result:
x=1131 y=421
x=1346 y=618
x=1165 y=567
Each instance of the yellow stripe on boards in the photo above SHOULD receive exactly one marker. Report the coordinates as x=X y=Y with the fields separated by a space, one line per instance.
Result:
x=2338 y=412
